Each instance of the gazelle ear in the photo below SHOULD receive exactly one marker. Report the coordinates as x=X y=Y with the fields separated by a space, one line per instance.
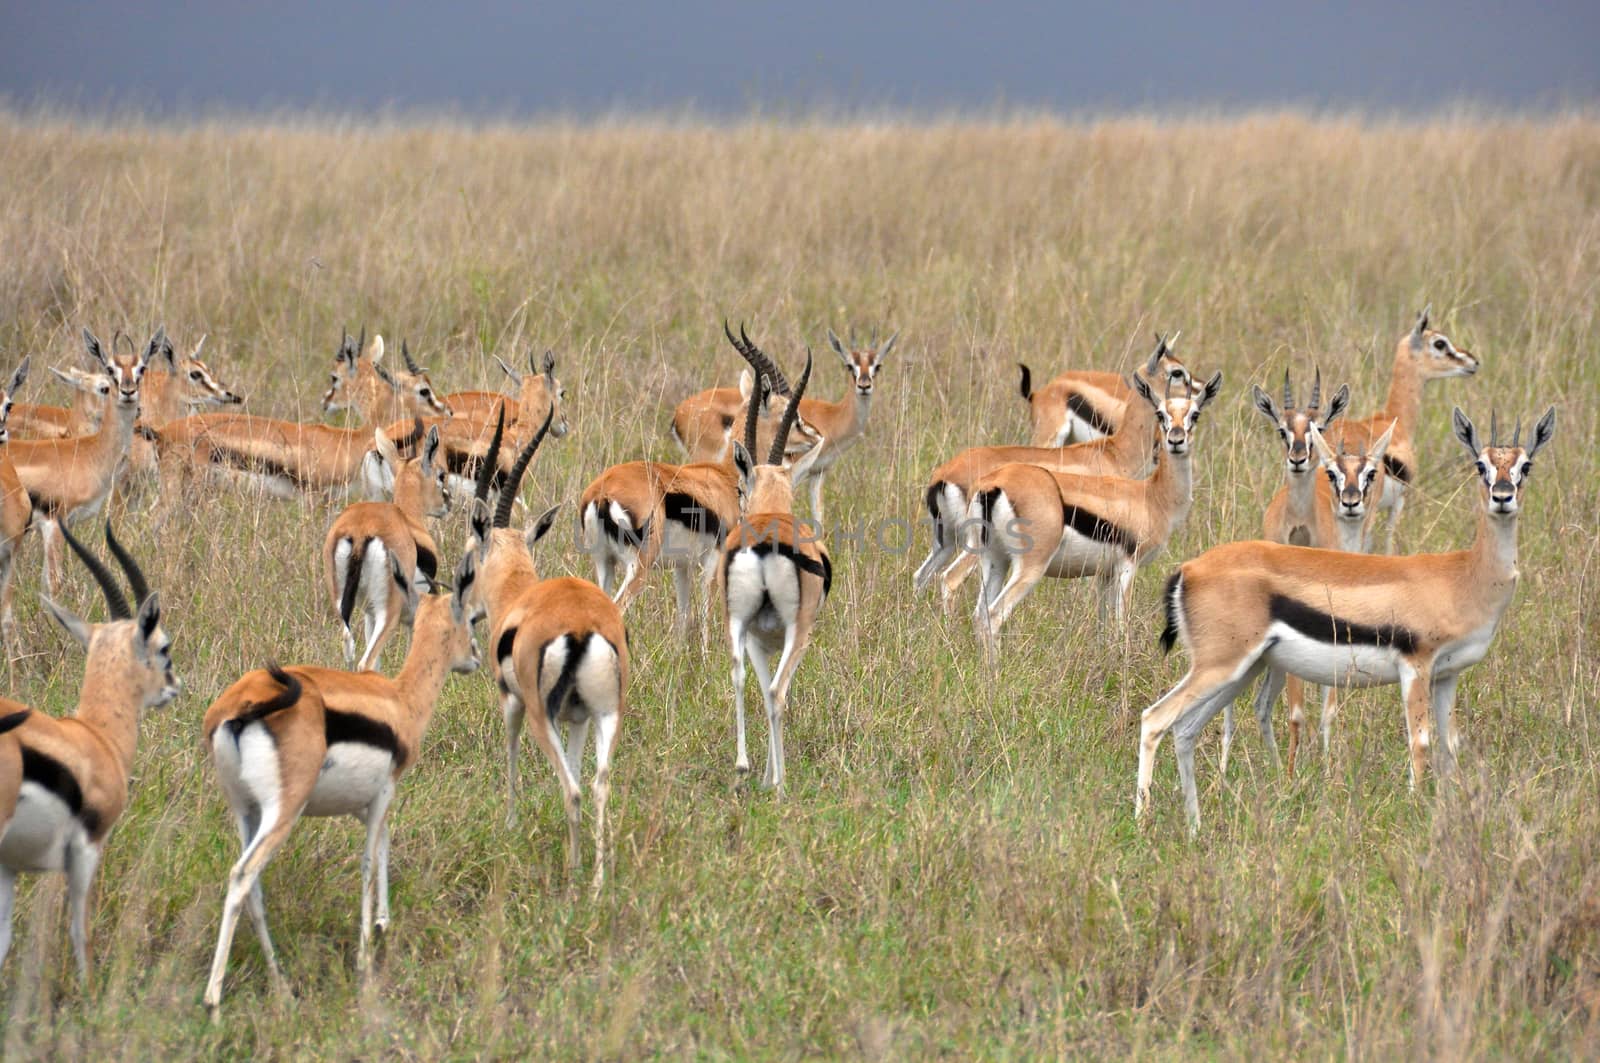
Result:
x=375 y=351
x=466 y=573
x=1420 y=327
x=802 y=465
x=149 y=616
x=1542 y=432
x=478 y=519
x=516 y=377
x=92 y=344
x=384 y=375
x=386 y=449
x=1142 y=388
x=548 y=366
x=18 y=377
x=1378 y=448
x=153 y=349
x=883 y=352
x=69 y=621
x=1264 y=403
x=1336 y=406
x=430 y=447
x=1209 y=392
x=541 y=526
x=1324 y=452
x=743 y=462
x=1468 y=433
x=838 y=348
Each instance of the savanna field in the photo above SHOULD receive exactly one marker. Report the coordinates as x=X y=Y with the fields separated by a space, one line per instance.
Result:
x=954 y=868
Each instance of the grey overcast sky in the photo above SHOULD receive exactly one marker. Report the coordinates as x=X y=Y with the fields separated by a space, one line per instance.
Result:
x=502 y=58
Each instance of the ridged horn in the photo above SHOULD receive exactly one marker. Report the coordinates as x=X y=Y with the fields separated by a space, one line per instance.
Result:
x=1288 y=393
x=1316 y=390
x=116 y=603
x=130 y=567
x=790 y=412
x=405 y=356
x=491 y=457
x=1494 y=428
x=508 y=494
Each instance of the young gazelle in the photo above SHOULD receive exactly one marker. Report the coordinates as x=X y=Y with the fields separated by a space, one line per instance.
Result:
x=1032 y=523
x=559 y=647
x=16 y=510
x=1344 y=619
x=69 y=479
x=1421 y=355
x=376 y=394
x=75 y=770
x=773 y=576
x=1085 y=404
x=371 y=540
x=1125 y=452
x=309 y=741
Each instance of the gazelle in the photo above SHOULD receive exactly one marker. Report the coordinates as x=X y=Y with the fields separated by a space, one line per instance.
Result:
x=558 y=646
x=773 y=577
x=482 y=406
x=1085 y=404
x=1126 y=452
x=371 y=541
x=465 y=438
x=1344 y=619
x=377 y=394
x=308 y=741
x=1034 y=523
x=16 y=510
x=75 y=770
x=1421 y=355
x=69 y=479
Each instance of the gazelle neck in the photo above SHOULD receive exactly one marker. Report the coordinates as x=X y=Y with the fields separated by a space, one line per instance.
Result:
x=1495 y=548
x=103 y=704
x=421 y=679
x=1404 y=404
x=408 y=492
x=372 y=399
x=158 y=399
x=1129 y=445
x=1171 y=486
x=1301 y=492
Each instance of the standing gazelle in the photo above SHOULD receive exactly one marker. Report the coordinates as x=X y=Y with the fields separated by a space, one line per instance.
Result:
x=1343 y=620
x=75 y=771
x=558 y=646
x=16 y=510
x=308 y=741
x=773 y=578
x=1085 y=404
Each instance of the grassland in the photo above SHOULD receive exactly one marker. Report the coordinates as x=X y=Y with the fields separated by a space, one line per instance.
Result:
x=955 y=869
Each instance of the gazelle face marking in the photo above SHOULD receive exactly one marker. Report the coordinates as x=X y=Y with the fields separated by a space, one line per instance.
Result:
x=1504 y=470
x=1436 y=356
x=124 y=372
x=1295 y=424
x=1177 y=415
x=203 y=389
x=1353 y=476
x=862 y=364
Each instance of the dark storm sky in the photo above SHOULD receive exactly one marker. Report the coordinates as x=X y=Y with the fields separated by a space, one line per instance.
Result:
x=499 y=57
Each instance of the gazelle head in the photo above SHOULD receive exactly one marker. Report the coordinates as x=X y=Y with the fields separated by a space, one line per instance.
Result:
x=862 y=363
x=356 y=378
x=1295 y=425
x=393 y=476
x=198 y=386
x=769 y=486
x=1433 y=353
x=129 y=649
x=446 y=619
x=1178 y=411
x=1504 y=470
x=341 y=382
x=1356 y=478
x=9 y=398
x=125 y=372
x=539 y=392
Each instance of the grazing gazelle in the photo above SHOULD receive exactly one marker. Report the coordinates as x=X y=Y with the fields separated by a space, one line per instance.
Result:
x=379 y=395
x=75 y=770
x=558 y=647
x=371 y=540
x=1031 y=523
x=1344 y=620
x=309 y=741
x=69 y=479
x=16 y=510
x=1125 y=452
x=1421 y=355
x=774 y=576
x=1085 y=404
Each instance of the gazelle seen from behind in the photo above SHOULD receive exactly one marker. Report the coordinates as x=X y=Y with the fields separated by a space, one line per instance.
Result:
x=75 y=770
x=1344 y=620
x=309 y=741
x=558 y=648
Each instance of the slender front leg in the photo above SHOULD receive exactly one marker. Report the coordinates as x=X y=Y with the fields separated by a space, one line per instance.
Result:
x=513 y=711
x=1266 y=701
x=52 y=562
x=1414 y=689
x=1124 y=589
x=83 y=858
x=1444 y=702
x=383 y=876
x=8 y=902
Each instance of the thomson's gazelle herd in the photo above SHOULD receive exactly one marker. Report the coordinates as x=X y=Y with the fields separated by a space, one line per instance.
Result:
x=1102 y=485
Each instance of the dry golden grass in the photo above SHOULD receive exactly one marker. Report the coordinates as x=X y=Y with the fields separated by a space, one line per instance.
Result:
x=955 y=869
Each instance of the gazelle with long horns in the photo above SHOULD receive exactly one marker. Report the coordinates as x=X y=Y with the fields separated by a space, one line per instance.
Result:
x=773 y=576
x=69 y=479
x=369 y=541
x=376 y=393
x=1031 y=523
x=1126 y=452
x=1085 y=404
x=1421 y=355
x=1344 y=620
x=558 y=647
x=309 y=741
x=75 y=770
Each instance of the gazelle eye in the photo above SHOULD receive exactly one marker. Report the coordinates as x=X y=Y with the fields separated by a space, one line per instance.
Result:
x=1440 y=345
x=194 y=374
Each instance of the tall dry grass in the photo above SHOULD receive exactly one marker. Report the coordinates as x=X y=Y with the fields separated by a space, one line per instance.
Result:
x=955 y=869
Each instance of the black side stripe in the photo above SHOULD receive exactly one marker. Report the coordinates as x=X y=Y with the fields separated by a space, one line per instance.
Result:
x=685 y=509
x=13 y=720
x=49 y=773
x=466 y=465
x=1092 y=526
x=353 y=727
x=1313 y=623
x=427 y=563
x=43 y=506
x=218 y=454
x=1397 y=468
x=1081 y=408
x=502 y=648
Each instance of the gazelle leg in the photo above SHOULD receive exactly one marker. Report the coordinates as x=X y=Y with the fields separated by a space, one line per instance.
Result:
x=1194 y=688
x=256 y=905
x=708 y=579
x=1418 y=706
x=1330 y=709
x=577 y=735
x=8 y=617
x=1444 y=702
x=50 y=541
x=1266 y=701
x=605 y=740
x=241 y=880
x=83 y=857
x=1186 y=731
x=736 y=636
x=762 y=665
x=512 y=710
x=383 y=876
x=373 y=818
x=602 y=569
x=794 y=648
x=8 y=903
x=682 y=585
x=954 y=576
x=572 y=796
x=1297 y=717
x=389 y=615
x=1124 y=589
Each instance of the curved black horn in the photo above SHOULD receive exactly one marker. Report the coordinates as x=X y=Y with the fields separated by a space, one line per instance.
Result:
x=1316 y=390
x=405 y=356
x=1288 y=393
x=758 y=390
x=1494 y=428
x=116 y=603
x=1516 y=436
x=130 y=567
x=491 y=458
x=508 y=493
x=790 y=412
x=361 y=344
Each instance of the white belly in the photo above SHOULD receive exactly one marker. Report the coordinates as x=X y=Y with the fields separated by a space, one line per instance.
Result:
x=1465 y=652
x=1328 y=664
x=353 y=775
x=36 y=839
x=682 y=547
x=1078 y=555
